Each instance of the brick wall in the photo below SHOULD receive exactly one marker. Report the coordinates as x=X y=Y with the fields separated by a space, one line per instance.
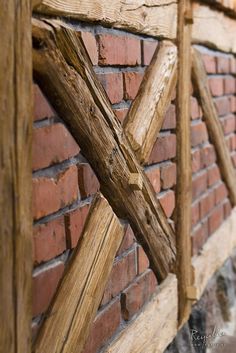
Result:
x=64 y=183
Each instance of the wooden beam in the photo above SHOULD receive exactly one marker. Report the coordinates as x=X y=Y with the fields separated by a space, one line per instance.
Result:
x=147 y=112
x=16 y=179
x=63 y=68
x=213 y=124
x=80 y=292
x=155 y=327
x=135 y=16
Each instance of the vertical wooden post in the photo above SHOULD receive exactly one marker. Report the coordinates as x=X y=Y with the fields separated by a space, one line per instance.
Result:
x=15 y=176
x=184 y=170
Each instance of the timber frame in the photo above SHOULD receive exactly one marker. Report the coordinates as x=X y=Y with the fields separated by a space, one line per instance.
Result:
x=61 y=60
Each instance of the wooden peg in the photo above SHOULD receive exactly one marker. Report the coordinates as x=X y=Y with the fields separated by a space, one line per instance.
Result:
x=135 y=181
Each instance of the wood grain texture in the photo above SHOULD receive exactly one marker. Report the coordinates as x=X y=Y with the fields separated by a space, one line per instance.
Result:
x=184 y=170
x=65 y=72
x=153 y=17
x=146 y=115
x=215 y=252
x=155 y=327
x=213 y=125
x=15 y=176
x=80 y=292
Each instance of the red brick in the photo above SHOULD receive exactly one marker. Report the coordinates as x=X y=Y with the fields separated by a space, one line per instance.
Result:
x=168 y=176
x=195 y=211
x=153 y=174
x=232 y=65
x=127 y=241
x=88 y=182
x=232 y=100
x=216 y=218
x=123 y=272
x=167 y=201
x=196 y=161
x=148 y=48
x=228 y=123
x=52 y=144
x=135 y=296
x=233 y=142
x=229 y=85
x=121 y=114
x=104 y=326
x=222 y=64
x=113 y=85
x=210 y=63
x=213 y=175
x=222 y=105
x=164 y=148
x=220 y=193
x=207 y=203
x=91 y=46
x=49 y=240
x=199 y=237
x=227 y=209
x=198 y=134
x=196 y=111
x=199 y=184
x=216 y=85
x=208 y=155
x=119 y=50
x=44 y=287
x=75 y=221
x=42 y=108
x=49 y=195
x=170 y=118
x=142 y=260
x=132 y=82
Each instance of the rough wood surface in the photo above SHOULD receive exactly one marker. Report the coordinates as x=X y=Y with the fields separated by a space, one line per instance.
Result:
x=213 y=125
x=156 y=325
x=74 y=307
x=215 y=252
x=184 y=170
x=153 y=17
x=15 y=176
x=63 y=68
x=146 y=115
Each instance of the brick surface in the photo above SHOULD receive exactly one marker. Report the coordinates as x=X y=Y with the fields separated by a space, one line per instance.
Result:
x=88 y=182
x=207 y=203
x=121 y=114
x=209 y=63
x=199 y=184
x=42 y=108
x=232 y=65
x=167 y=201
x=142 y=260
x=228 y=123
x=153 y=175
x=132 y=82
x=148 y=49
x=113 y=85
x=215 y=219
x=198 y=134
x=232 y=102
x=222 y=105
x=227 y=209
x=229 y=85
x=91 y=46
x=220 y=193
x=168 y=176
x=49 y=195
x=44 y=287
x=49 y=240
x=222 y=64
x=199 y=237
x=196 y=160
x=52 y=144
x=196 y=111
x=195 y=212
x=134 y=297
x=216 y=85
x=127 y=241
x=75 y=221
x=170 y=118
x=163 y=149
x=208 y=156
x=213 y=175
x=119 y=50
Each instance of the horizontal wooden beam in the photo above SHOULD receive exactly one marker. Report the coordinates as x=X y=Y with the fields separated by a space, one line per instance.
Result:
x=63 y=68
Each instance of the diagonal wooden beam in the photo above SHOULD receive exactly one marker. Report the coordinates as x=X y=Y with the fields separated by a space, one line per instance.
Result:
x=213 y=124
x=147 y=112
x=62 y=65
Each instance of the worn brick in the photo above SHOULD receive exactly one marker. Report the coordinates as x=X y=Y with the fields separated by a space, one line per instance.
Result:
x=119 y=50
x=113 y=85
x=216 y=84
x=121 y=114
x=199 y=237
x=148 y=49
x=135 y=296
x=220 y=193
x=42 y=108
x=228 y=123
x=232 y=102
x=229 y=85
x=199 y=184
x=142 y=260
x=222 y=105
x=207 y=203
x=196 y=160
x=209 y=63
x=232 y=65
x=52 y=144
x=164 y=148
x=215 y=219
x=49 y=240
x=213 y=175
x=128 y=240
x=198 y=133
x=222 y=65
x=44 y=287
x=168 y=176
x=132 y=82
x=153 y=174
x=88 y=182
x=49 y=194
x=167 y=201
x=195 y=212
x=196 y=111
x=169 y=118
x=208 y=155
x=91 y=46
x=75 y=221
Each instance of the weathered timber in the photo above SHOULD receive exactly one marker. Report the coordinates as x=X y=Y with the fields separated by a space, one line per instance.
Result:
x=184 y=170
x=155 y=327
x=146 y=115
x=63 y=68
x=15 y=176
x=80 y=292
x=136 y=16
x=213 y=125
